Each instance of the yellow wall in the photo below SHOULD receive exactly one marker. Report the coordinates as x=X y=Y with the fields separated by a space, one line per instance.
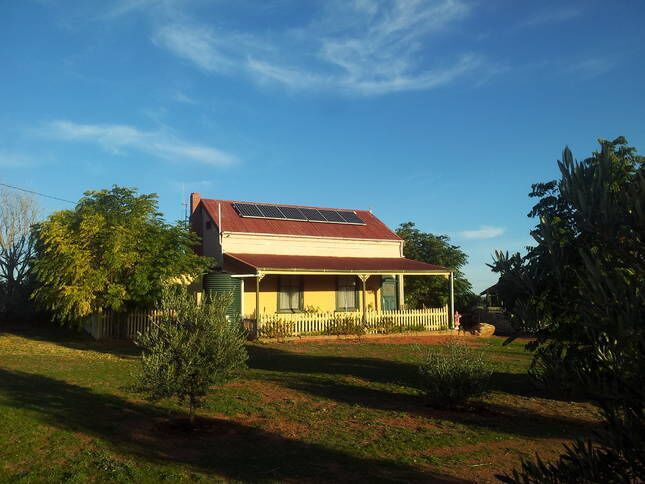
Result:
x=319 y=291
x=243 y=243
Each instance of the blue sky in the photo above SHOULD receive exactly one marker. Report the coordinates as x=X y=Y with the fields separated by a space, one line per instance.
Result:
x=440 y=112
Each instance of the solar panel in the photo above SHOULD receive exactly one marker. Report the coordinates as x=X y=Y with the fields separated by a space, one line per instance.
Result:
x=293 y=213
x=313 y=214
x=270 y=211
x=351 y=217
x=247 y=210
x=331 y=216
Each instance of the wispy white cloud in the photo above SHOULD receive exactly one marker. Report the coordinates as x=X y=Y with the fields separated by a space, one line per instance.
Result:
x=551 y=16
x=118 y=138
x=591 y=67
x=182 y=97
x=124 y=7
x=199 y=45
x=484 y=232
x=359 y=46
x=14 y=160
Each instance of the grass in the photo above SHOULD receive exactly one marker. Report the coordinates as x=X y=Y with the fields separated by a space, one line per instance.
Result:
x=336 y=410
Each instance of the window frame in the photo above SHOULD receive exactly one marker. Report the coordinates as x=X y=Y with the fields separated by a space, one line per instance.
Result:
x=357 y=302
x=301 y=294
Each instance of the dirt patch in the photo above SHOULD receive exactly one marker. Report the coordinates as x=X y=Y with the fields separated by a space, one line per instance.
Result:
x=271 y=392
x=408 y=422
x=481 y=462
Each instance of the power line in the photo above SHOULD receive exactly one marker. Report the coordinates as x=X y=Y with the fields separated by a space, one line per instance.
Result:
x=37 y=193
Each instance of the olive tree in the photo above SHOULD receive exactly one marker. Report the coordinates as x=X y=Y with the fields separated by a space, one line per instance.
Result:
x=192 y=347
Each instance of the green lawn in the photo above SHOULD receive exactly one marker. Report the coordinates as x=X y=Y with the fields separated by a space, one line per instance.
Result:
x=304 y=411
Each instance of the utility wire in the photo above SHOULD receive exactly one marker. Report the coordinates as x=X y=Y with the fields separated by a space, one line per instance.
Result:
x=37 y=193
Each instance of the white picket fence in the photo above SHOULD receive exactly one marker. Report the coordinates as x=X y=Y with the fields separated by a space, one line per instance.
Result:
x=304 y=323
x=108 y=325
x=376 y=321
x=428 y=318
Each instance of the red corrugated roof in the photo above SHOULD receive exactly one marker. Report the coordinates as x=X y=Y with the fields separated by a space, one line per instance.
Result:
x=232 y=222
x=249 y=263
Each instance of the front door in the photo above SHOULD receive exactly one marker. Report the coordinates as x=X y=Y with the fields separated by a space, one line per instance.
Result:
x=388 y=293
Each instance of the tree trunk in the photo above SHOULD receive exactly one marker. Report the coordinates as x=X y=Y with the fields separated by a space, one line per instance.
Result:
x=191 y=412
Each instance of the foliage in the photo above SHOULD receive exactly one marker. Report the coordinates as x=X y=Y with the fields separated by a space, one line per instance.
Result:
x=553 y=371
x=579 y=291
x=388 y=325
x=453 y=373
x=278 y=329
x=193 y=347
x=434 y=249
x=112 y=252
x=18 y=213
x=311 y=309
x=91 y=463
x=615 y=452
x=346 y=325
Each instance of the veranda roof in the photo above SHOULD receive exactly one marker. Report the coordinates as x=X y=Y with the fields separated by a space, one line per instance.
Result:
x=298 y=264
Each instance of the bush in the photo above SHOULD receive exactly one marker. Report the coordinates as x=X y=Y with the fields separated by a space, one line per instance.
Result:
x=278 y=329
x=346 y=324
x=192 y=348
x=387 y=325
x=551 y=370
x=452 y=373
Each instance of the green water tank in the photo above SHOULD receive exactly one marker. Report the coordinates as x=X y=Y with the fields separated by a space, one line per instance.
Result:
x=221 y=282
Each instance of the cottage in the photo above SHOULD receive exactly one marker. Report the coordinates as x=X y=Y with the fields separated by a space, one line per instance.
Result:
x=307 y=265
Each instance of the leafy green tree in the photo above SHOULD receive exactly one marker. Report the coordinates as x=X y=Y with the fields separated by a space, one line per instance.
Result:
x=434 y=249
x=193 y=347
x=112 y=252
x=579 y=290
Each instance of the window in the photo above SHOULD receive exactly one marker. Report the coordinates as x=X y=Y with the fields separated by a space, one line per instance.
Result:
x=347 y=294
x=290 y=294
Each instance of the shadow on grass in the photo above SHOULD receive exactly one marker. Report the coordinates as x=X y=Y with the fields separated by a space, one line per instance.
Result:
x=373 y=369
x=515 y=421
x=379 y=370
x=515 y=384
x=70 y=338
x=228 y=449
x=500 y=418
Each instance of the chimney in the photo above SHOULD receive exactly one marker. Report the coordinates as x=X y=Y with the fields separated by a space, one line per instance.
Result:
x=194 y=201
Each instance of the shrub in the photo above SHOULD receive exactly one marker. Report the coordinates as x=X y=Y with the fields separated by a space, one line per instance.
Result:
x=346 y=324
x=551 y=370
x=99 y=466
x=387 y=325
x=278 y=329
x=452 y=373
x=192 y=348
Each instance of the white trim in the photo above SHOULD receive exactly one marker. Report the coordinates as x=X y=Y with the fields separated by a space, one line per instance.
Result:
x=241 y=298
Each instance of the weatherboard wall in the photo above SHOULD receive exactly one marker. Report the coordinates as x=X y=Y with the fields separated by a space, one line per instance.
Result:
x=245 y=243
